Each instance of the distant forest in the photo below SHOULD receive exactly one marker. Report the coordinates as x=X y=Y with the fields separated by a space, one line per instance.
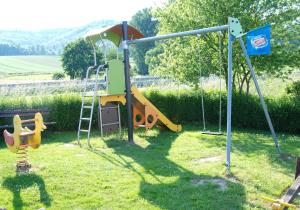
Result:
x=7 y=49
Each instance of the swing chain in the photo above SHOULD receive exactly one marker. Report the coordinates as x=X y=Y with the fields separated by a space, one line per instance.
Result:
x=220 y=86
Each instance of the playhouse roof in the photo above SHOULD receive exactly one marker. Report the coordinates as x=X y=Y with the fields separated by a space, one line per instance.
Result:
x=113 y=33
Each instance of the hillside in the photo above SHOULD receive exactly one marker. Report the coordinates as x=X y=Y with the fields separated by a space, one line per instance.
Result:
x=52 y=40
x=12 y=66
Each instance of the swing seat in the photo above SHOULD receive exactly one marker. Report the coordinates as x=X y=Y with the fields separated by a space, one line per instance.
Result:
x=215 y=133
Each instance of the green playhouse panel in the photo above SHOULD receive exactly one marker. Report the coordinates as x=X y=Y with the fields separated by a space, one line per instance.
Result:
x=116 y=78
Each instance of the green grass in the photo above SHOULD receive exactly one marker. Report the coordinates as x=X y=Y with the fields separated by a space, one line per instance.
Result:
x=274 y=87
x=160 y=171
x=15 y=67
x=269 y=85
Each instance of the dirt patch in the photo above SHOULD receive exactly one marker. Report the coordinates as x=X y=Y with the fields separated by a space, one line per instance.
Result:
x=69 y=145
x=208 y=159
x=232 y=178
x=35 y=168
x=79 y=155
x=222 y=183
x=287 y=157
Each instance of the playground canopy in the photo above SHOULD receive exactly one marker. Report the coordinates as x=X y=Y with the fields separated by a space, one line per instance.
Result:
x=113 y=33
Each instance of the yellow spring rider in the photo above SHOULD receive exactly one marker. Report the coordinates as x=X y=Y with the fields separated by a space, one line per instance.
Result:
x=19 y=141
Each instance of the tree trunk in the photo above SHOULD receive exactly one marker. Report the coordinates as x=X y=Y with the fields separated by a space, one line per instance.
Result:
x=243 y=82
x=248 y=85
x=244 y=79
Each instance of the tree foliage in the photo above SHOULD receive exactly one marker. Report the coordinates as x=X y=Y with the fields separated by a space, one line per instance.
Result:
x=77 y=56
x=143 y=20
x=182 y=58
x=114 y=53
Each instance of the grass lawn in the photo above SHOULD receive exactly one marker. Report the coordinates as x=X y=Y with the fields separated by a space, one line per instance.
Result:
x=163 y=170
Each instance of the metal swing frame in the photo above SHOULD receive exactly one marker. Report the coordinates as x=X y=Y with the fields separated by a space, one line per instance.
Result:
x=235 y=31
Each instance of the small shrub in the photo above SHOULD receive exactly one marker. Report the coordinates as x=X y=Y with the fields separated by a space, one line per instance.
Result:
x=58 y=76
x=294 y=89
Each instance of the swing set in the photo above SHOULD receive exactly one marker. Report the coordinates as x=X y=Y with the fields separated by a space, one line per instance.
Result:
x=119 y=88
x=235 y=31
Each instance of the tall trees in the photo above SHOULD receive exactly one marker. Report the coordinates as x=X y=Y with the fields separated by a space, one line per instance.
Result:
x=6 y=49
x=77 y=57
x=143 y=20
x=182 y=57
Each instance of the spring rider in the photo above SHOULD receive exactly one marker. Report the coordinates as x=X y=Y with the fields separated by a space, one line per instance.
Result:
x=19 y=141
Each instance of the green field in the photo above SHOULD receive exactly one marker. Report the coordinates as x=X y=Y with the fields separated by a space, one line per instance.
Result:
x=163 y=170
x=29 y=67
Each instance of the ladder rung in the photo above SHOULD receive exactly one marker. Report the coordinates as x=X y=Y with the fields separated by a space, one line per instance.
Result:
x=84 y=118
x=87 y=107
x=88 y=95
x=142 y=126
x=84 y=130
x=111 y=107
x=110 y=123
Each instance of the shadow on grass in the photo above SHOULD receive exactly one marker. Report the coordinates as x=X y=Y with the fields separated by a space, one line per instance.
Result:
x=22 y=182
x=255 y=143
x=188 y=191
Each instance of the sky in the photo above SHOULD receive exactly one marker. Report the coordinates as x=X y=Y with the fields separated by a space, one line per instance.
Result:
x=49 y=14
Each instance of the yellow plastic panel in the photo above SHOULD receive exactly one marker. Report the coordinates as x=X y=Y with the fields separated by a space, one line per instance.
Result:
x=140 y=98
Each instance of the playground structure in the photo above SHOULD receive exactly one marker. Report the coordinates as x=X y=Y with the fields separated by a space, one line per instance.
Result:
x=136 y=105
x=22 y=138
x=145 y=114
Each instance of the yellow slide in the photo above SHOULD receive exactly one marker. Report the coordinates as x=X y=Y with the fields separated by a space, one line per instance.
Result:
x=139 y=100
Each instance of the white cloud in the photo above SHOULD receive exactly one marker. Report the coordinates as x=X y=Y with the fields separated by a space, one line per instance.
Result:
x=44 y=14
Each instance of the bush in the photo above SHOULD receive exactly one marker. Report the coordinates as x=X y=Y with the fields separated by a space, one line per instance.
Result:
x=247 y=111
x=294 y=89
x=181 y=107
x=58 y=76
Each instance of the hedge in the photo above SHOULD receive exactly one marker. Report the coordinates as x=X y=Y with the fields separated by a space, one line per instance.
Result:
x=183 y=107
x=247 y=111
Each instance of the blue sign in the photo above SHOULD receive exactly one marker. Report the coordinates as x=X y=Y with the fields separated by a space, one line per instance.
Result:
x=258 y=41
